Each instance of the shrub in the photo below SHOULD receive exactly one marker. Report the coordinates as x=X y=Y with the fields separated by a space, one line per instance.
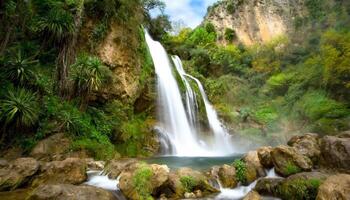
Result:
x=188 y=182
x=142 y=182
x=241 y=170
x=201 y=37
x=230 y=34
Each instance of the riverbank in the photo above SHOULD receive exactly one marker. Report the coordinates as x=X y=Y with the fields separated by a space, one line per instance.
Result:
x=309 y=167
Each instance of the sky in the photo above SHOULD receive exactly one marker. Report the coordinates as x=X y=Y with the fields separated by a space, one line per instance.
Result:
x=191 y=12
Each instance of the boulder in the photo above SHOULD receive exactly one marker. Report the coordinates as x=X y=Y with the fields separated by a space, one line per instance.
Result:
x=95 y=165
x=301 y=185
x=48 y=150
x=68 y=171
x=335 y=152
x=70 y=192
x=176 y=181
x=17 y=173
x=227 y=176
x=287 y=160
x=252 y=159
x=307 y=145
x=264 y=154
x=158 y=176
x=336 y=187
x=115 y=167
x=252 y=195
x=268 y=186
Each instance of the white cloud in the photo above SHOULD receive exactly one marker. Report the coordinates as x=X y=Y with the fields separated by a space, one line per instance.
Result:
x=191 y=12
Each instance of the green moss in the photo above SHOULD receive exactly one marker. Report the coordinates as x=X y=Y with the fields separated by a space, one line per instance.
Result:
x=291 y=169
x=188 y=183
x=299 y=189
x=142 y=182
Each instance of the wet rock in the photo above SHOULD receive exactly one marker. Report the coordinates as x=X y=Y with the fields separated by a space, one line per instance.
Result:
x=199 y=180
x=94 y=165
x=70 y=192
x=336 y=187
x=18 y=194
x=190 y=195
x=198 y=194
x=288 y=160
x=17 y=173
x=335 y=152
x=158 y=176
x=307 y=145
x=68 y=171
x=264 y=154
x=115 y=167
x=227 y=176
x=301 y=185
x=252 y=195
x=252 y=159
x=268 y=186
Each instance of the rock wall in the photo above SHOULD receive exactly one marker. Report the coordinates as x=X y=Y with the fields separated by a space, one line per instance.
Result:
x=256 y=21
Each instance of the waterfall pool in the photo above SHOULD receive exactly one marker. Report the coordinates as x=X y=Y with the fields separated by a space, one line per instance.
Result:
x=197 y=163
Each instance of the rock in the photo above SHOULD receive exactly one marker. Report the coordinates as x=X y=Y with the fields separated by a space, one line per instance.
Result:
x=17 y=173
x=115 y=167
x=68 y=171
x=198 y=194
x=48 y=150
x=301 y=185
x=252 y=195
x=159 y=175
x=227 y=176
x=307 y=145
x=70 y=192
x=94 y=165
x=190 y=195
x=268 y=186
x=336 y=187
x=335 y=152
x=200 y=183
x=252 y=159
x=264 y=154
x=288 y=160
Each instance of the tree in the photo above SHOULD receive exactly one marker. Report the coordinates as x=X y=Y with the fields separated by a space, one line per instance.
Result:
x=153 y=4
x=230 y=35
x=159 y=26
x=89 y=75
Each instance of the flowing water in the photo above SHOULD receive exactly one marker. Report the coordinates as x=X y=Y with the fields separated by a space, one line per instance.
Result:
x=178 y=124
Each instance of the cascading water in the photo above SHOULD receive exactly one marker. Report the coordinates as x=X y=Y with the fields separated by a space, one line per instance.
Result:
x=177 y=125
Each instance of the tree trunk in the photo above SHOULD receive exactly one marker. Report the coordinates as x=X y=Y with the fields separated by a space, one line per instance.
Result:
x=67 y=55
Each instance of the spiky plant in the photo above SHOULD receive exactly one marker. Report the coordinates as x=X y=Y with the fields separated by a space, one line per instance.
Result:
x=19 y=109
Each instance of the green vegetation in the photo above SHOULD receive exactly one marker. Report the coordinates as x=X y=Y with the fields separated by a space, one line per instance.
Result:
x=142 y=182
x=300 y=189
x=241 y=170
x=188 y=182
x=267 y=91
x=291 y=169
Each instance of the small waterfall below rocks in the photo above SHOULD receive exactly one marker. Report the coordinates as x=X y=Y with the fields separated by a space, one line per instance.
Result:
x=178 y=127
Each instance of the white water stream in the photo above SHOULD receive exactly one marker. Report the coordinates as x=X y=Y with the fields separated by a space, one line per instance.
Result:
x=179 y=134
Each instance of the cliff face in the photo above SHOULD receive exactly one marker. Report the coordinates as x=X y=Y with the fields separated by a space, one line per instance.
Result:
x=256 y=21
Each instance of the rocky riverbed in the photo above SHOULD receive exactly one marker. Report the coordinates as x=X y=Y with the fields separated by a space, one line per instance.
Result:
x=309 y=167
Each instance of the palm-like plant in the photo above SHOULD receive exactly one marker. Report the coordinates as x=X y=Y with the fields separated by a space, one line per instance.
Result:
x=89 y=75
x=19 y=109
x=18 y=69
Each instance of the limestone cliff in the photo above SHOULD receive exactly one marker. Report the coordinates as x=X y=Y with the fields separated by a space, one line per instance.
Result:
x=255 y=21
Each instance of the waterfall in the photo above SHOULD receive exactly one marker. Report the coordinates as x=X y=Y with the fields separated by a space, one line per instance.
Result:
x=177 y=125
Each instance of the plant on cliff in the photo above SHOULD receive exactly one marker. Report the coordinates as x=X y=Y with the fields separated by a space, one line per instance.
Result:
x=142 y=182
x=18 y=109
x=230 y=34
